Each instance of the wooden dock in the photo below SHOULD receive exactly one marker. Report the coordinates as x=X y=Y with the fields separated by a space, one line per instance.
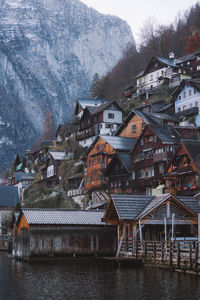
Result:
x=179 y=255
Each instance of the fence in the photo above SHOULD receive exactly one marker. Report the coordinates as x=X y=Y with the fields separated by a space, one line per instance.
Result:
x=179 y=254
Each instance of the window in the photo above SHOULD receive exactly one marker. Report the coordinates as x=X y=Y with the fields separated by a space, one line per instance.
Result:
x=195 y=91
x=143 y=125
x=111 y=116
x=87 y=179
x=142 y=142
x=133 y=175
x=184 y=95
x=133 y=128
x=198 y=68
x=190 y=105
x=188 y=62
x=184 y=107
x=179 y=108
x=196 y=104
x=100 y=126
x=179 y=97
x=190 y=92
x=151 y=138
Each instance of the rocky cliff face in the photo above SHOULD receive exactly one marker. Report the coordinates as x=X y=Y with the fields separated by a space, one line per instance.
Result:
x=49 y=52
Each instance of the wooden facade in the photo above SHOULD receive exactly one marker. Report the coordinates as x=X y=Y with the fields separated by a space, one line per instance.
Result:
x=182 y=174
x=160 y=218
x=119 y=174
x=64 y=233
x=151 y=155
x=134 y=127
x=98 y=159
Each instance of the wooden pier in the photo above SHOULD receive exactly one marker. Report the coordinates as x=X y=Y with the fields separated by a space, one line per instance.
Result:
x=180 y=255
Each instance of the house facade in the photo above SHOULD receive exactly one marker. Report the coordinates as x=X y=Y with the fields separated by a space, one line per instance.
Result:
x=182 y=175
x=103 y=120
x=158 y=70
x=187 y=102
x=151 y=154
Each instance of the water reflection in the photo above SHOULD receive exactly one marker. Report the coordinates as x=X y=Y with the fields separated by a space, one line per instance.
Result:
x=62 y=281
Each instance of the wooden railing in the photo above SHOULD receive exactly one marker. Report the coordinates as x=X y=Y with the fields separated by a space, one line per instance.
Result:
x=178 y=254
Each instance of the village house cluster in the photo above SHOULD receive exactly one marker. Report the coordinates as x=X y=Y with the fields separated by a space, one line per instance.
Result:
x=143 y=168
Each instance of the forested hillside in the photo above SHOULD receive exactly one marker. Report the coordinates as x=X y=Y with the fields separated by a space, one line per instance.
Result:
x=182 y=37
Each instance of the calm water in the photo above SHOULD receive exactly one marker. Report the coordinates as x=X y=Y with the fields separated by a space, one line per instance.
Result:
x=80 y=281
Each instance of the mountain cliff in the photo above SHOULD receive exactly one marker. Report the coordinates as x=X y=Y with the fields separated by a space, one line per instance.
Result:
x=49 y=52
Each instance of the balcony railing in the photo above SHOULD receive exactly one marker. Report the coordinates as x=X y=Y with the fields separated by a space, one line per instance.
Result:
x=162 y=156
x=83 y=136
x=188 y=112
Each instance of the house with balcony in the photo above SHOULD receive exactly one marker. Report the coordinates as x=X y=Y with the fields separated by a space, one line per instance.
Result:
x=186 y=99
x=182 y=176
x=103 y=120
x=158 y=71
x=153 y=150
x=118 y=173
x=99 y=156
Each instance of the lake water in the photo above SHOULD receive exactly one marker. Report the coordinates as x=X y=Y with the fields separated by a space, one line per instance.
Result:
x=62 y=280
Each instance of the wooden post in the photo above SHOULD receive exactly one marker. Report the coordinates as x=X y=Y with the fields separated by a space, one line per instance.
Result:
x=170 y=254
x=190 y=256
x=199 y=230
x=162 y=252
x=154 y=250
x=140 y=228
x=196 y=256
x=178 y=255
x=145 y=251
x=173 y=216
x=136 y=249
x=165 y=228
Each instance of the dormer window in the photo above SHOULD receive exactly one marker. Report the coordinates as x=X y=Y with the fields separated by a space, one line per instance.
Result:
x=133 y=128
x=111 y=116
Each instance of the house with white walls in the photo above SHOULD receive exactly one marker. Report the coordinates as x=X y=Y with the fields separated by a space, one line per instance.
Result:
x=187 y=102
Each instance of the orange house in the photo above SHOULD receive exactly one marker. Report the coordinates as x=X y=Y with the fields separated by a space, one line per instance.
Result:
x=98 y=157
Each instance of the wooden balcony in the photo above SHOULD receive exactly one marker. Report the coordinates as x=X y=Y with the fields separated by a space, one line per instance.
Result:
x=162 y=156
x=193 y=111
x=82 y=136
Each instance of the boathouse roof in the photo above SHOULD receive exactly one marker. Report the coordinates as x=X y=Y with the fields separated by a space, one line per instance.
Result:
x=63 y=216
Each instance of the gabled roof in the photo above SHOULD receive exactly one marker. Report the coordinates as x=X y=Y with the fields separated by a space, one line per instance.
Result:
x=165 y=133
x=8 y=196
x=135 y=207
x=161 y=116
x=187 y=57
x=82 y=103
x=119 y=143
x=63 y=216
x=171 y=62
x=124 y=157
x=193 y=147
x=129 y=206
x=59 y=155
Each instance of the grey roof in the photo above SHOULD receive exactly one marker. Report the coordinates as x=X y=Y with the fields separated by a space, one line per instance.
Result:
x=193 y=147
x=63 y=216
x=126 y=159
x=187 y=57
x=91 y=102
x=120 y=143
x=129 y=206
x=164 y=108
x=162 y=116
x=60 y=155
x=8 y=195
x=191 y=202
x=165 y=133
x=23 y=175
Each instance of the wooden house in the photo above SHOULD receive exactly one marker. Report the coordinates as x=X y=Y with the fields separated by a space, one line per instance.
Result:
x=153 y=150
x=104 y=119
x=152 y=218
x=136 y=121
x=50 y=172
x=118 y=173
x=51 y=233
x=99 y=156
x=182 y=175
x=192 y=62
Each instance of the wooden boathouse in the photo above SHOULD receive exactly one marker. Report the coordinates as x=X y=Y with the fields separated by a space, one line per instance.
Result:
x=48 y=233
x=148 y=225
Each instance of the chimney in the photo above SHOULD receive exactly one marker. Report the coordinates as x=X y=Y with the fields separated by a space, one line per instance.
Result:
x=171 y=55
